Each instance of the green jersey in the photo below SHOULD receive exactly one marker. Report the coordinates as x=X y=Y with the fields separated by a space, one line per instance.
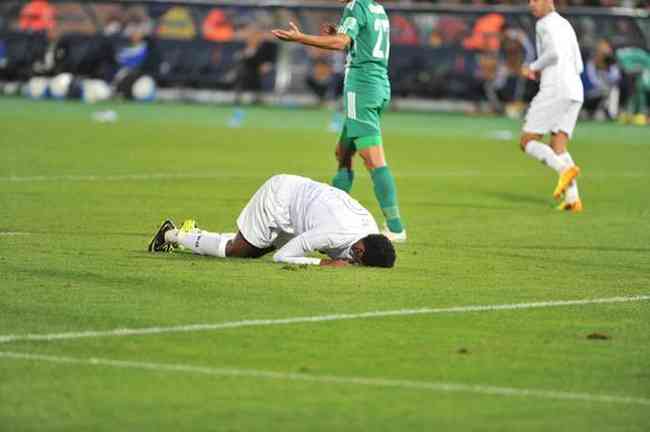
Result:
x=633 y=59
x=367 y=24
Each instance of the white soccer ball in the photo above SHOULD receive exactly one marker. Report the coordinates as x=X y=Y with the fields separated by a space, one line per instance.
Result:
x=60 y=85
x=37 y=87
x=144 y=89
x=95 y=90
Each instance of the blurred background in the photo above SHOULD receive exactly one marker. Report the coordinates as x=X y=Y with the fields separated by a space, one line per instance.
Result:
x=452 y=56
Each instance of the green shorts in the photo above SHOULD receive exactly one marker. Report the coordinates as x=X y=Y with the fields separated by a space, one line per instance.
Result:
x=362 y=111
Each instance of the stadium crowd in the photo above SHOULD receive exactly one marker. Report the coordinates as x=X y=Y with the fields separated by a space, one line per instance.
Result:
x=639 y=4
x=100 y=50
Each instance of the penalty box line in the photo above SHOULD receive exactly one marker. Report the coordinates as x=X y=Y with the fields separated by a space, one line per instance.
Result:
x=312 y=319
x=443 y=387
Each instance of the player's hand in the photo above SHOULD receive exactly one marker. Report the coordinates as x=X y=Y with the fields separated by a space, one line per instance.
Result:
x=292 y=34
x=328 y=29
x=334 y=263
x=527 y=72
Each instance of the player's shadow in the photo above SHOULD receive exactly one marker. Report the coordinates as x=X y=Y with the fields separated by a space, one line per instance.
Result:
x=77 y=277
x=92 y=233
x=586 y=248
x=460 y=205
x=188 y=256
x=513 y=200
x=571 y=262
x=554 y=248
x=511 y=197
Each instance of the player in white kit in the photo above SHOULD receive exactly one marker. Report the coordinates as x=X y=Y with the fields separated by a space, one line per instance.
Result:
x=556 y=106
x=295 y=216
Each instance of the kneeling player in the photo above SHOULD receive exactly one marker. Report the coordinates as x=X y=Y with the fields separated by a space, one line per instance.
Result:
x=296 y=216
x=556 y=107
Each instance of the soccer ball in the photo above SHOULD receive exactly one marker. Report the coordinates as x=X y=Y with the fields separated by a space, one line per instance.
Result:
x=95 y=90
x=144 y=89
x=37 y=87
x=60 y=85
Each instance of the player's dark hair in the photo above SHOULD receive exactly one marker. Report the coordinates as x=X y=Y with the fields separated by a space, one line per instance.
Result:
x=379 y=251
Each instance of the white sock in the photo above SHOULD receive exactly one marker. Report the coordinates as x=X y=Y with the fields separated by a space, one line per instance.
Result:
x=545 y=155
x=171 y=236
x=571 y=194
x=566 y=158
x=203 y=242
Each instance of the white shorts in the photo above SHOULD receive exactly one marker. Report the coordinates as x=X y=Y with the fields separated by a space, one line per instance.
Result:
x=547 y=114
x=265 y=219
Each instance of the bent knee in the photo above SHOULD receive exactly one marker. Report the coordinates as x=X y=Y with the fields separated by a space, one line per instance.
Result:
x=372 y=164
x=525 y=139
x=373 y=158
x=343 y=154
x=338 y=153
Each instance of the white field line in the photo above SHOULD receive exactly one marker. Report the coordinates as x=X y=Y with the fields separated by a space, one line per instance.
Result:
x=91 y=178
x=11 y=234
x=332 y=379
x=310 y=319
x=168 y=176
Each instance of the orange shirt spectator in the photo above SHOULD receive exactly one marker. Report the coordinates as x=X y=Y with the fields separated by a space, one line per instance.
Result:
x=216 y=27
x=37 y=15
x=402 y=31
x=486 y=35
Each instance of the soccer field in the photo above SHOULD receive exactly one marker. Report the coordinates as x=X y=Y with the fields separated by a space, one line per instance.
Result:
x=501 y=313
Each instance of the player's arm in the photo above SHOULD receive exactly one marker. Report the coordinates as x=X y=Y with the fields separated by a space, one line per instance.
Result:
x=549 y=55
x=333 y=41
x=295 y=251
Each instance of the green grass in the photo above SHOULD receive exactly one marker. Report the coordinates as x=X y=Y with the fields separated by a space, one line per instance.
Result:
x=482 y=231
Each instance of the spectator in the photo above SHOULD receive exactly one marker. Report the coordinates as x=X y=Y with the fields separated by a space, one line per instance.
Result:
x=50 y=71
x=486 y=35
x=320 y=73
x=37 y=15
x=177 y=23
x=509 y=89
x=137 y=60
x=217 y=27
x=254 y=62
x=635 y=64
x=451 y=29
x=600 y=80
x=403 y=32
x=326 y=73
x=3 y=54
x=53 y=60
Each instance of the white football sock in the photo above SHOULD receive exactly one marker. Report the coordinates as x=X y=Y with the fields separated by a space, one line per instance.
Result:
x=171 y=236
x=204 y=242
x=571 y=194
x=545 y=155
x=567 y=159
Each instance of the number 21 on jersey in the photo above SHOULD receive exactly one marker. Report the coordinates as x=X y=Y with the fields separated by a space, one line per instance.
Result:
x=382 y=46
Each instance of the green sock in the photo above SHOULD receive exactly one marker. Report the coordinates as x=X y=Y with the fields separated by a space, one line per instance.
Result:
x=642 y=103
x=386 y=193
x=343 y=179
x=636 y=103
x=638 y=100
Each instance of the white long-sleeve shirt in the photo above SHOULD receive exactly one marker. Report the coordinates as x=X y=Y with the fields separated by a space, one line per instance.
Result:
x=558 y=58
x=319 y=217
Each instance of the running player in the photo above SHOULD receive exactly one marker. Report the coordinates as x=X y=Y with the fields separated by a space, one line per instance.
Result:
x=556 y=107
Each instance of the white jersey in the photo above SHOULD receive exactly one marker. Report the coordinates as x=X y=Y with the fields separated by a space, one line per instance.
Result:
x=558 y=58
x=301 y=216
